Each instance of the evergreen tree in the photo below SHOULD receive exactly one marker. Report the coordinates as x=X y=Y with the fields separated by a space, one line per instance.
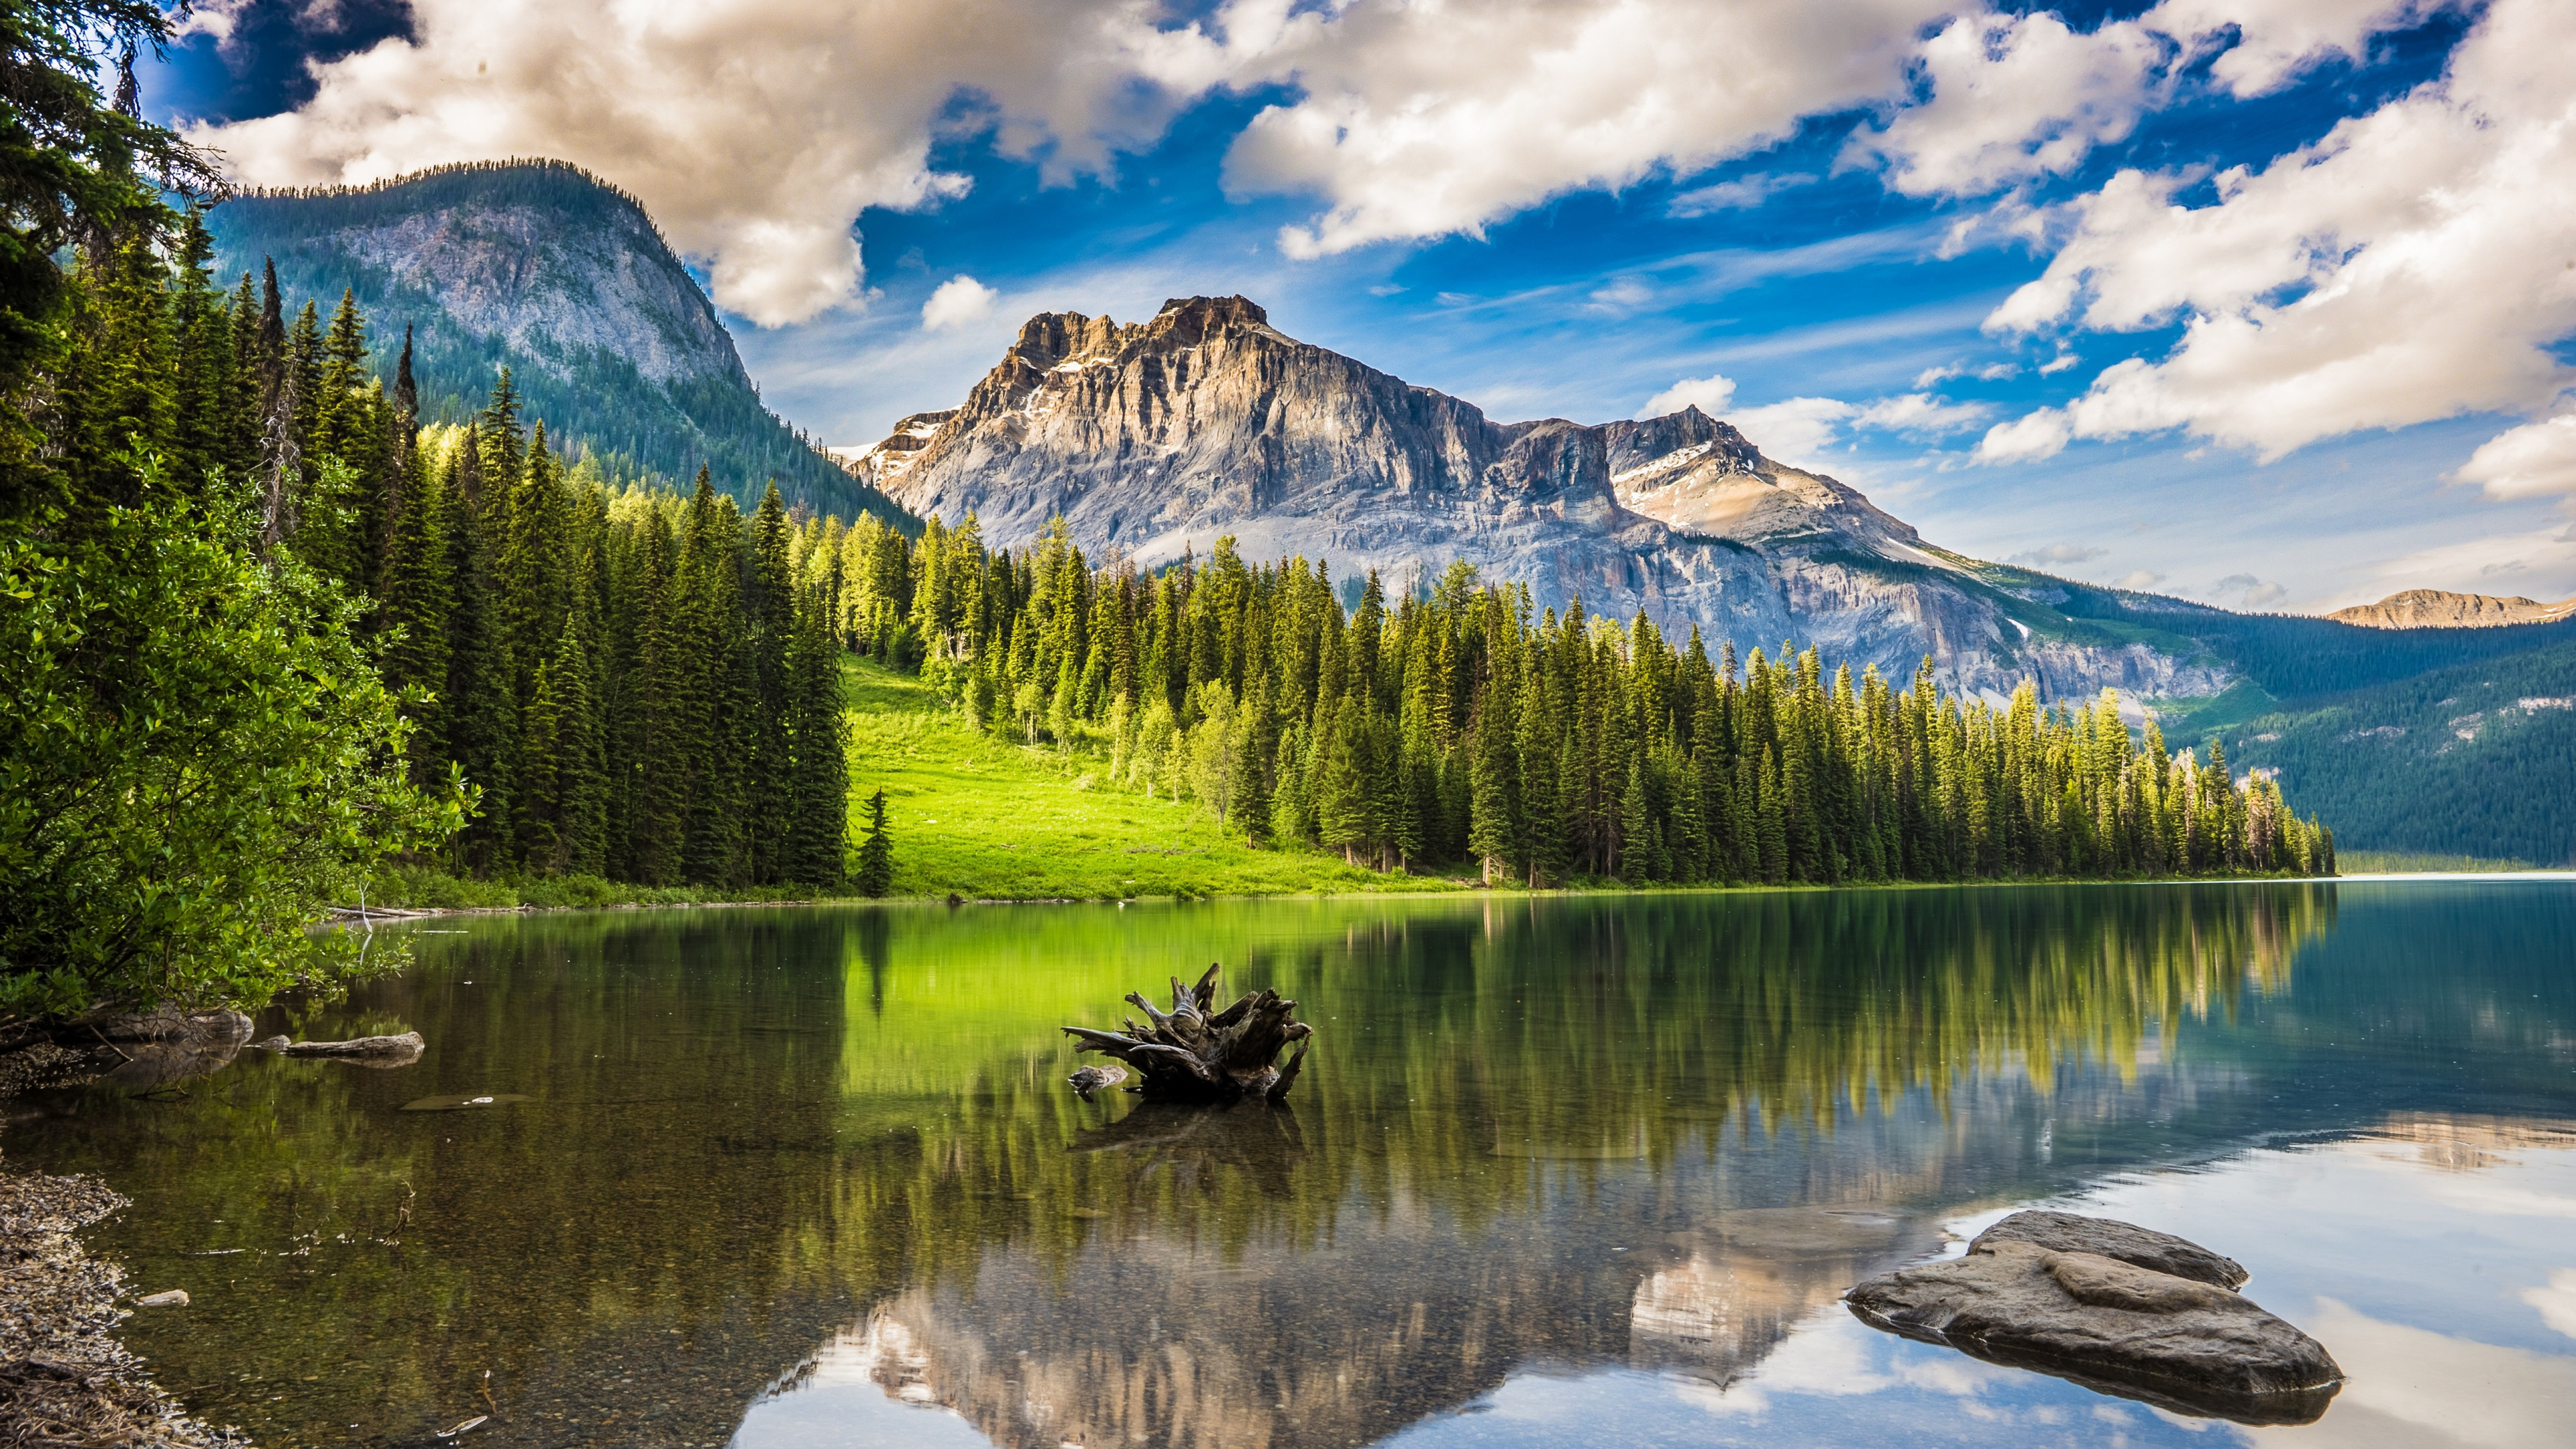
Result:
x=876 y=853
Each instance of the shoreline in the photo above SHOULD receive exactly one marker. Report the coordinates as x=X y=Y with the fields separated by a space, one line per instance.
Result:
x=64 y=1376
x=341 y=916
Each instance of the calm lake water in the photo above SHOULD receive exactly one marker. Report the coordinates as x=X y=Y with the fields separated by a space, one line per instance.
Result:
x=1560 y=1171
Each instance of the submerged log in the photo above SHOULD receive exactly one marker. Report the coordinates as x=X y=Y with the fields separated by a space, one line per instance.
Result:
x=1191 y=1054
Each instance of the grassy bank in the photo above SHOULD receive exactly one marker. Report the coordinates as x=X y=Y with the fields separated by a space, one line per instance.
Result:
x=2399 y=862
x=982 y=817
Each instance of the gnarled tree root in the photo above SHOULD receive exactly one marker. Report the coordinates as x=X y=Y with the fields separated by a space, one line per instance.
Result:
x=1190 y=1055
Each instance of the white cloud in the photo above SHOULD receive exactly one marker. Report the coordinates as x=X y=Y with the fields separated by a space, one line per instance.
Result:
x=2139 y=579
x=2043 y=434
x=2060 y=553
x=2004 y=98
x=2556 y=1301
x=2413 y=264
x=959 y=301
x=756 y=131
x=2012 y=97
x=1751 y=191
x=1624 y=295
x=1710 y=394
x=1797 y=432
x=2526 y=462
x=2251 y=592
x=1920 y=415
x=1419 y=120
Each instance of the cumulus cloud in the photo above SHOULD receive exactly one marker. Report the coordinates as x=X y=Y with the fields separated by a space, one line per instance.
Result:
x=2000 y=98
x=2526 y=462
x=958 y=301
x=2412 y=264
x=1709 y=394
x=1921 y=415
x=2013 y=96
x=1418 y=121
x=2139 y=579
x=2043 y=434
x=2060 y=553
x=756 y=131
x=1797 y=432
x=2251 y=592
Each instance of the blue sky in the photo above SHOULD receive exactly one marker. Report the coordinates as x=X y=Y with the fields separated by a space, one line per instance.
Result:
x=2262 y=303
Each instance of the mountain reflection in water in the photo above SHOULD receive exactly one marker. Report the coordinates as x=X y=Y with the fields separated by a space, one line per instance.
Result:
x=1558 y=1168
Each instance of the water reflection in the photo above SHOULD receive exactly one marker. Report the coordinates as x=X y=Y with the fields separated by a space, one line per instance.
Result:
x=1592 y=1158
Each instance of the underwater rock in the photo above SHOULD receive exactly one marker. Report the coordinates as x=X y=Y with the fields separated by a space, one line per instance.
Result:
x=1088 y=1081
x=2183 y=1343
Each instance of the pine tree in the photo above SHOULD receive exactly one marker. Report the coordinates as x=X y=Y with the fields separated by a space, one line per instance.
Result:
x=876 y=853
x=819 y=806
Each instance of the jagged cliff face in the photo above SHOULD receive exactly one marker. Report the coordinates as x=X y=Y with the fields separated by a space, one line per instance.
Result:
x=1156 y=438
x=2436 y=609
x=513 y=269
x=543 y=269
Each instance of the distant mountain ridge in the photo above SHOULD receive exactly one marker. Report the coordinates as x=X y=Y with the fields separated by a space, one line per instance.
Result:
x=2437 y=609
x=1155 y=438
x=544 y=268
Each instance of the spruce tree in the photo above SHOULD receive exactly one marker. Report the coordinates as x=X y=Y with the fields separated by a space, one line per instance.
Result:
x=876 y=853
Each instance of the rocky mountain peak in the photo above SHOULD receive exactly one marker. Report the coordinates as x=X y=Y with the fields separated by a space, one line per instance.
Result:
x=2440 y=609
x=1155 y=438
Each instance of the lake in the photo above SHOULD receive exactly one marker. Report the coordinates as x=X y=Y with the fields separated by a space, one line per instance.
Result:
x=1559 y=1171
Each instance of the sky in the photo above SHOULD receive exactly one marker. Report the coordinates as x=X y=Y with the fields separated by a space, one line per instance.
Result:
x=2264 y=303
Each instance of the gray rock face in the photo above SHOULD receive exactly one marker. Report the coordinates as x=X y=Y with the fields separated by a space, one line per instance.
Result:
x=1153 y=438
x=513 y=269
x=2111 y=1325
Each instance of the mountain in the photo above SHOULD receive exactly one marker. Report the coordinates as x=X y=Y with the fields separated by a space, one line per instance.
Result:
x=2435 y=609
x=1156 y=438
x=2475 y=759
x=545 y=269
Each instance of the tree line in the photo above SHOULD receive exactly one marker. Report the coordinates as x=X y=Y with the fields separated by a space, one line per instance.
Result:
x=626 y=681
x=1456 y=722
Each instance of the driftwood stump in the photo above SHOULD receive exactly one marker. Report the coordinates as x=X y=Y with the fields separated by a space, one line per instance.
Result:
x=1188 y=1055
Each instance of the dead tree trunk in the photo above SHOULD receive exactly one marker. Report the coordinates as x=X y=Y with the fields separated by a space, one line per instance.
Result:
x=1188 y=1055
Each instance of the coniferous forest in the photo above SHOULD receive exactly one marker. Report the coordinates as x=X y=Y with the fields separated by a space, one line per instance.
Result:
x=269 y=635
x=1457 y=722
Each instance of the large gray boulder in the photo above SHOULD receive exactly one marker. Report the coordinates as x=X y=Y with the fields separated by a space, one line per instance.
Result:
x=2127 y=1242
x=2181 y=1341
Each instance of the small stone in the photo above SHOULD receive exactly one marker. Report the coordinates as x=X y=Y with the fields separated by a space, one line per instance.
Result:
x=175 y=1298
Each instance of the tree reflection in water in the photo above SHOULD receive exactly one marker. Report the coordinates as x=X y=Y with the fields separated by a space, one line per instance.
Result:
x=1650 y=1132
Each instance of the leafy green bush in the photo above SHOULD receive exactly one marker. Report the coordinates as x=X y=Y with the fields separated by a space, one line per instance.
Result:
x=195 y=761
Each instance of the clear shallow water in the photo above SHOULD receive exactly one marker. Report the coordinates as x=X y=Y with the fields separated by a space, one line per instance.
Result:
x=1560 y=1171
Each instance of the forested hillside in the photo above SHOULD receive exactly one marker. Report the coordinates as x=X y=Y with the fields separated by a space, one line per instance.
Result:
x=541 y=268
x=2477 y=759
x=2364 y=724
x=1464 y=725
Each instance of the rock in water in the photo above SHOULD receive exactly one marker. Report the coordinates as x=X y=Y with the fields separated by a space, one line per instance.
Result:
x=2140 y=1247
x=2183 y=1343
x=1088 y=1081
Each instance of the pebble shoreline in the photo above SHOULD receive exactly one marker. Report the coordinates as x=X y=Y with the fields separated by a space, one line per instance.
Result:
x=64 y=1378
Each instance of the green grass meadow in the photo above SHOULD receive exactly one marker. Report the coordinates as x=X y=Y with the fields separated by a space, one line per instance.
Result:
x=981 y=817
